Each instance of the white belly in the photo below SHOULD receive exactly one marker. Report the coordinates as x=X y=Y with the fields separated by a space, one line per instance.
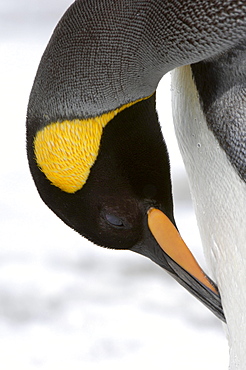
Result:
x=219 y=197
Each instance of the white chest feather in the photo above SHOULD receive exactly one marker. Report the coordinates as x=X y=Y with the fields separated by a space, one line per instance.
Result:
x=219 y=197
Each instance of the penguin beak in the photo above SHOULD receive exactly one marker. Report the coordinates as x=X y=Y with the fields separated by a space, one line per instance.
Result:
x=180 y=262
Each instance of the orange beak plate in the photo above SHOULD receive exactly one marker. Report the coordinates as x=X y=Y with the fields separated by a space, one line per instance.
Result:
x=182 y=262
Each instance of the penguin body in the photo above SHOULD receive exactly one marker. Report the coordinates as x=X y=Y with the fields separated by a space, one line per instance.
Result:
x=94 y=144
x=219 y=198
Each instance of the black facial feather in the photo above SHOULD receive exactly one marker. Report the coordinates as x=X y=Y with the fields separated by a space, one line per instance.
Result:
x=130 y=174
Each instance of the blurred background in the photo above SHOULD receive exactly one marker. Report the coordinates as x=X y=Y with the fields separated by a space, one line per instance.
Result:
x=64 y=302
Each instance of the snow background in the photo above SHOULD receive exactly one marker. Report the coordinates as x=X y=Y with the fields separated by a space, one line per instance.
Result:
x=65 y=303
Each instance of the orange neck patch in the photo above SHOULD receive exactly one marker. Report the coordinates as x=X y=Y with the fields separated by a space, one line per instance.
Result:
x=66 y=151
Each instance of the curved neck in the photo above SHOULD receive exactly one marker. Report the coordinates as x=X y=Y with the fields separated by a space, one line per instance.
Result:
x=105 y=54
x=220 y=202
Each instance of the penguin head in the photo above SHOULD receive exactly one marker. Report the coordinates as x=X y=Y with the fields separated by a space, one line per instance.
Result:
x=112 y=185
x=108 y=203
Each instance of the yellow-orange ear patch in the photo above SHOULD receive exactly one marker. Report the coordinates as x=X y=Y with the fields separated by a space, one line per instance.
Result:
x=65 y=151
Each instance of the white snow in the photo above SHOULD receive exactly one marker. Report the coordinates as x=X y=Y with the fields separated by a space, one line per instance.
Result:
x=64 y=302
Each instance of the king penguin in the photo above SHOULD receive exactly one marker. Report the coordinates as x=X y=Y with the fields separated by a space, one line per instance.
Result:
x=94 y=143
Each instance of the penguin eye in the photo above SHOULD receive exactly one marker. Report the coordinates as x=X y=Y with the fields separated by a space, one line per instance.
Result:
x=114 y=220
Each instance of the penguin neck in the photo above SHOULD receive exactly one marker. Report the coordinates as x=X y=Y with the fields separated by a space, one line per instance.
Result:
x=105 y=54
x=219 y=197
